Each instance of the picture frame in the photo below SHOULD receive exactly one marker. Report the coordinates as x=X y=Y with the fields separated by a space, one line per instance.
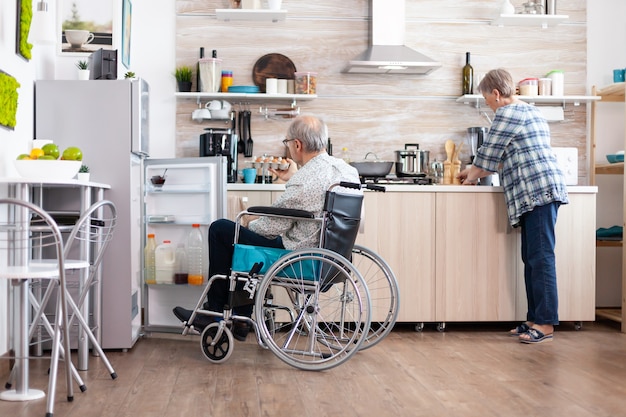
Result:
x=8 y=100
x=95 y=17
x=22 y=28
x=126 y=31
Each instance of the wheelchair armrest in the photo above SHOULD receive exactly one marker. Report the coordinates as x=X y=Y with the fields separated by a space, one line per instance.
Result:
x=279 y=211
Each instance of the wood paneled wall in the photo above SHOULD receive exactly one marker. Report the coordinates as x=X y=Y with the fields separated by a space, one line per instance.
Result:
x=380 y=113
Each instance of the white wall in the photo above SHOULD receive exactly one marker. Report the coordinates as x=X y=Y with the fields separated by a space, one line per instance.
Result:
x=606 y=38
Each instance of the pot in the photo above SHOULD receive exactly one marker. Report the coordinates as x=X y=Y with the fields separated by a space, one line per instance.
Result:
x=412 y=163
x=372 y=168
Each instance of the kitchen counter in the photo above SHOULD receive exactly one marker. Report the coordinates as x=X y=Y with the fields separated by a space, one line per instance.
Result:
x=411 y=188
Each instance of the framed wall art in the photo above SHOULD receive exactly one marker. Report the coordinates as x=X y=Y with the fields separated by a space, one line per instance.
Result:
x=24 y=17
x=85 y=26
x=126 y=25
x=8 y=100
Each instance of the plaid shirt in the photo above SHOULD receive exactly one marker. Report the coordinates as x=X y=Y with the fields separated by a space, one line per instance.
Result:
x=518 y=148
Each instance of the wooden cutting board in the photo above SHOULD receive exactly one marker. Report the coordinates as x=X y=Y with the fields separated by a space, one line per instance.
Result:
x=272 y=66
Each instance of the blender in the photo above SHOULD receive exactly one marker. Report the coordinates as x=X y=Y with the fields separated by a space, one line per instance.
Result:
x=475 y=138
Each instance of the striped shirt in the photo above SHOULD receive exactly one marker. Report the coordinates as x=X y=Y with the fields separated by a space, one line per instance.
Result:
x=305 y=190
x=518 y=148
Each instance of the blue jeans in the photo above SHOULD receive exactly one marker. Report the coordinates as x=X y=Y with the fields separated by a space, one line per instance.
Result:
x=538 y=242
x=221 y=239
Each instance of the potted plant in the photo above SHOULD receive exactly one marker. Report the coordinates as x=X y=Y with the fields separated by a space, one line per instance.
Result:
x=83 y=69
x=129 y=74
x=83 y=173
x=183 y=76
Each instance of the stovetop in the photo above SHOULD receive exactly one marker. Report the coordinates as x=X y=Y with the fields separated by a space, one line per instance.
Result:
x=423 y=180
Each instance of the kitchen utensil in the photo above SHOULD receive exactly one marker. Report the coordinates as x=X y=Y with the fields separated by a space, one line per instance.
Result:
x=249 y=143
x=272 y=66
x=475 y=138
x=372 y=168
x=449 y=146
x=412 y=163
x=241 y=144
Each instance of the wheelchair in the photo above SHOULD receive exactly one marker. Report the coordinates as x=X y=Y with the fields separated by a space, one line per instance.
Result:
x=312 y=306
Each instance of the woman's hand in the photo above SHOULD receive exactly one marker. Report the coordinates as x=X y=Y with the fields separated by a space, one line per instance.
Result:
x=463 y=177
x=285 y=174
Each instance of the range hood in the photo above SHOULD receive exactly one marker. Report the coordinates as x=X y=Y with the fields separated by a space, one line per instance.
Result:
x=387 y=53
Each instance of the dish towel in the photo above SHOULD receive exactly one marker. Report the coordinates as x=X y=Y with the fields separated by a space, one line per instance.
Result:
x=611 y=233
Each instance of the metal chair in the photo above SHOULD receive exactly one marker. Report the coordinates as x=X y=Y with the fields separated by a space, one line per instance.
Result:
x=26 y=231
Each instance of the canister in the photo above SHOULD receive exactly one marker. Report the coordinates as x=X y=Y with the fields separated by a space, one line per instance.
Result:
x=545 y=86
x=558 y=80
x=210 y=74
x=529 y=87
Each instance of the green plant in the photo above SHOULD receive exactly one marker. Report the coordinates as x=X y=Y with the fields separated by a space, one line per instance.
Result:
x=82 y=65
x=83 y=168
x=129 y=74
x=26 y=17
x=183 y=73
x=8 y=100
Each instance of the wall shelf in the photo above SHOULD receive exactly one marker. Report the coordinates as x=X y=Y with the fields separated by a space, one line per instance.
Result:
x=238 y=97
x=542 y=20
x=260 y=15
x=477 y=99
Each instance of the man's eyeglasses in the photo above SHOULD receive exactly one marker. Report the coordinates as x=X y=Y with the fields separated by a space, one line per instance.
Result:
x=286 y=141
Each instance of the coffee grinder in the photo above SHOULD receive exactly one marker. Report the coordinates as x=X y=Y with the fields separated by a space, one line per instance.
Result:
x=215 y=142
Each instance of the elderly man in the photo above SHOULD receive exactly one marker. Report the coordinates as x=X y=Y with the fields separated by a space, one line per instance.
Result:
x=310 y=173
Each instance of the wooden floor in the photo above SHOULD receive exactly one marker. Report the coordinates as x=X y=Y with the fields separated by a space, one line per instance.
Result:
x=469 y=370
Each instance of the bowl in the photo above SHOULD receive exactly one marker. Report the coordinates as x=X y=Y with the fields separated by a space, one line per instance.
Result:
x=614 y=158
x=157 y=180
x=47 y=169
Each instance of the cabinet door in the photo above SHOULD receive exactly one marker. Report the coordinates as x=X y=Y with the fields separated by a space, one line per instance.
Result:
x=240 y=200
x=400 y=228
x=575 y=261
x=476 y=258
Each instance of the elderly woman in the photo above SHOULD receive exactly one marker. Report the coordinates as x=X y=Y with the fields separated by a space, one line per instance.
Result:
x=518 y=148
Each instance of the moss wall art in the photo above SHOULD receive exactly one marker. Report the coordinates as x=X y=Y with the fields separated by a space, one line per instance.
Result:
x=24 y=18
x=8 y=100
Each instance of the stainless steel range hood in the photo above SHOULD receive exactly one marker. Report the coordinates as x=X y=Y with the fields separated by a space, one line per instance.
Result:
x=387 y=53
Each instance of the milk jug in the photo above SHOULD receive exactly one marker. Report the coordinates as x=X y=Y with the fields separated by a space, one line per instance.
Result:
x=165 y=260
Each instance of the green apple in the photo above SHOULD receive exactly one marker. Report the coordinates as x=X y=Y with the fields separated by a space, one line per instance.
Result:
x=23 y=156
x=47 y=158
x=72 y=154
x=51 y=149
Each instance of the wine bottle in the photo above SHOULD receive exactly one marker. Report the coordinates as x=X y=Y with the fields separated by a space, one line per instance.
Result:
x=198 y=81
x=468 y=76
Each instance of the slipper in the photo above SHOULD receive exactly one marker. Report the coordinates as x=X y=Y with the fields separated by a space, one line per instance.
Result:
x=536 y=336
x=521 y=329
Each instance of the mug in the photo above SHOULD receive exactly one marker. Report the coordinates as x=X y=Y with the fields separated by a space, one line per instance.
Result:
x=249 y=175
x=202 y=113
x=78 y=38
x=271 y=85
x=618 y=75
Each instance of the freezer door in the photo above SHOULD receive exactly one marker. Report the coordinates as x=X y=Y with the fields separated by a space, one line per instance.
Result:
x=140 y=106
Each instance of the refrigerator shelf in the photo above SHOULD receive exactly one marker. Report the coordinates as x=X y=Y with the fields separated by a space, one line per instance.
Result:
x=179 y=189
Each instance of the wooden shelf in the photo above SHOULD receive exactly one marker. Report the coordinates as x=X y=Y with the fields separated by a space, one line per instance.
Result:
x=610 y=169
x=614 y=92
x=542 y=20
x=259 y=15
x=614 y=314
x=609 y=243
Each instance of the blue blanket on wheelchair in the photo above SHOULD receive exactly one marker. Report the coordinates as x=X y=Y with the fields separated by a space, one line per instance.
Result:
x=245 y=256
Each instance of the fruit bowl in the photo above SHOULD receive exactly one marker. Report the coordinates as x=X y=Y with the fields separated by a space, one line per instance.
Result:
x=47 y=169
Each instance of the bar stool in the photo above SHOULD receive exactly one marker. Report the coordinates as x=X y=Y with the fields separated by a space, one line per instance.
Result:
x=26 y=229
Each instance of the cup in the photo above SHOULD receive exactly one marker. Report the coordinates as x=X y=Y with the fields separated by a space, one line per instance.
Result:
x=274 y=4
x=249 y=175
x=271 y=86
x=291 y=86
x=200 y=114
x=618 y=75
x=78 y=38
x=282 y=86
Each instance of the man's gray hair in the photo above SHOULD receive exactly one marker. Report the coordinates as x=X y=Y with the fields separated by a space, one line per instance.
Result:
x=311 y=131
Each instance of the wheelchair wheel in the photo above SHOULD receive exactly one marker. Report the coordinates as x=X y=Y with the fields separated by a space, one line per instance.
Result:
x=217 y=343
x=331 y=309
x=384 y=293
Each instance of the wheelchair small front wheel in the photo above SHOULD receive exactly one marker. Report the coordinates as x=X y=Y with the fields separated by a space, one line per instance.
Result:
x=217 y=343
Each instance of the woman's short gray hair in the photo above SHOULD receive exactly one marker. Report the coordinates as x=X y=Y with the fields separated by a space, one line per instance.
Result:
x=498 y=79
x=311 y=131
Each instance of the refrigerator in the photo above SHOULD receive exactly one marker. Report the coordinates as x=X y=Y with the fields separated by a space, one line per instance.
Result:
x=108 y=121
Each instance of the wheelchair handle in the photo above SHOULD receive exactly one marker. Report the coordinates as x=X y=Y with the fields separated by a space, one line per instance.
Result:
x=353 y=185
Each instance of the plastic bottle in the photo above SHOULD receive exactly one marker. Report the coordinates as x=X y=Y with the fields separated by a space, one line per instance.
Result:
x=149 y=274
x=344 y=155
x=468 y=76
x=195 y=256
x=180 y=273
x=165 y=260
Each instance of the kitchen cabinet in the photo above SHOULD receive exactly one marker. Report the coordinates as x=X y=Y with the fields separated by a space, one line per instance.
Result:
x=400 y=227
x=615 y=93
x=477 y=258
x=194 y=192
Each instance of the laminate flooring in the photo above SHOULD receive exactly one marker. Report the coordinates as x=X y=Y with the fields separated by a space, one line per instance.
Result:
x=468 y=370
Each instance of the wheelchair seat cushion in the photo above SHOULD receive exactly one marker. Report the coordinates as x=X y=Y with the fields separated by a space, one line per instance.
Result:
x=245 y=256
